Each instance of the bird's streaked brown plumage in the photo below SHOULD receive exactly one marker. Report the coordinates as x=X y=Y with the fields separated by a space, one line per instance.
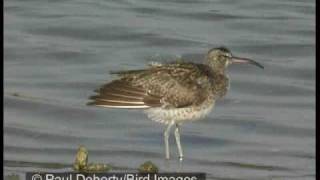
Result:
x=173 y=85
x=171 y=93
x=120 y=94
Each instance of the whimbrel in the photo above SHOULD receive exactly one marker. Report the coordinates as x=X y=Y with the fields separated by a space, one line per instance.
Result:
x=172 y=93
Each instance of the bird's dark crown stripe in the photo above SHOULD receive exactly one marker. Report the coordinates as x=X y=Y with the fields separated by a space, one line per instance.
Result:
x=222 y=48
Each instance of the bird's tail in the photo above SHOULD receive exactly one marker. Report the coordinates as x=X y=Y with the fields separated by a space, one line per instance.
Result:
x=119 y=94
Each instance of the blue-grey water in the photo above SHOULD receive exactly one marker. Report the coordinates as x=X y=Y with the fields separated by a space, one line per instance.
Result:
x=57 y=52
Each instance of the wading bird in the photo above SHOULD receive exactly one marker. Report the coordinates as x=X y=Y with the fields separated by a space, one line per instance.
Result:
x=172 y=93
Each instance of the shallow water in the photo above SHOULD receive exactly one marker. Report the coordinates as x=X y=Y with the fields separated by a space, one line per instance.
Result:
x=57 y=52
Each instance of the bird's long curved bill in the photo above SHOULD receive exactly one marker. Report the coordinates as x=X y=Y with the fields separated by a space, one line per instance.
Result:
x=238 y=60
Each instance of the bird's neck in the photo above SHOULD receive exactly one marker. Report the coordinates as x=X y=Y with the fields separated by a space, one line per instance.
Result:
x=221 y=83
x=217 y=69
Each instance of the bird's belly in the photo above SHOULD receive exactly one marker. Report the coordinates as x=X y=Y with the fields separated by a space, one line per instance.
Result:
x=179 y=115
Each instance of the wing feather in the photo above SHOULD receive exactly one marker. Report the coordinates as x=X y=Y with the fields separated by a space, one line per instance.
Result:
x=119 y=94
x=169 y=85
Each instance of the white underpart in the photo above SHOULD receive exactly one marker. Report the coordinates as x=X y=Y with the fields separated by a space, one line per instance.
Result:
x=179 y=115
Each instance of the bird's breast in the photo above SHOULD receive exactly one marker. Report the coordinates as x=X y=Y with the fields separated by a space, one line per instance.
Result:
x=179 y=115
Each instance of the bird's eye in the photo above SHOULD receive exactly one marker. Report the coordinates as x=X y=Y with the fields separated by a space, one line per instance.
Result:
x=227 y=55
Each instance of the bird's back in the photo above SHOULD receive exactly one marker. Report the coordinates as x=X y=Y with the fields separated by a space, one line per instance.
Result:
x=172 y=85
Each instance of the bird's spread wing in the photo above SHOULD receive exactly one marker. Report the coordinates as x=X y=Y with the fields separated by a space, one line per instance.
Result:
x=168 y=85
x=120 y=94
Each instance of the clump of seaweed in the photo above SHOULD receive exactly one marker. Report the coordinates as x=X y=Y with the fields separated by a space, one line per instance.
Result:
x=81 y=162
x=148 y=167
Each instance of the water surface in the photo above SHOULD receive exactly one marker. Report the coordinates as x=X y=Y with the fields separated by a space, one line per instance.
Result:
x=57 y=52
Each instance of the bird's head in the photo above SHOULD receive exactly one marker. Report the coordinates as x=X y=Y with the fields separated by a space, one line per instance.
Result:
x=220 y=58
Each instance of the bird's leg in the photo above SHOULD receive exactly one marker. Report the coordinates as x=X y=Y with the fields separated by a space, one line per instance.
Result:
x=166 y=140
x=177 y=136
